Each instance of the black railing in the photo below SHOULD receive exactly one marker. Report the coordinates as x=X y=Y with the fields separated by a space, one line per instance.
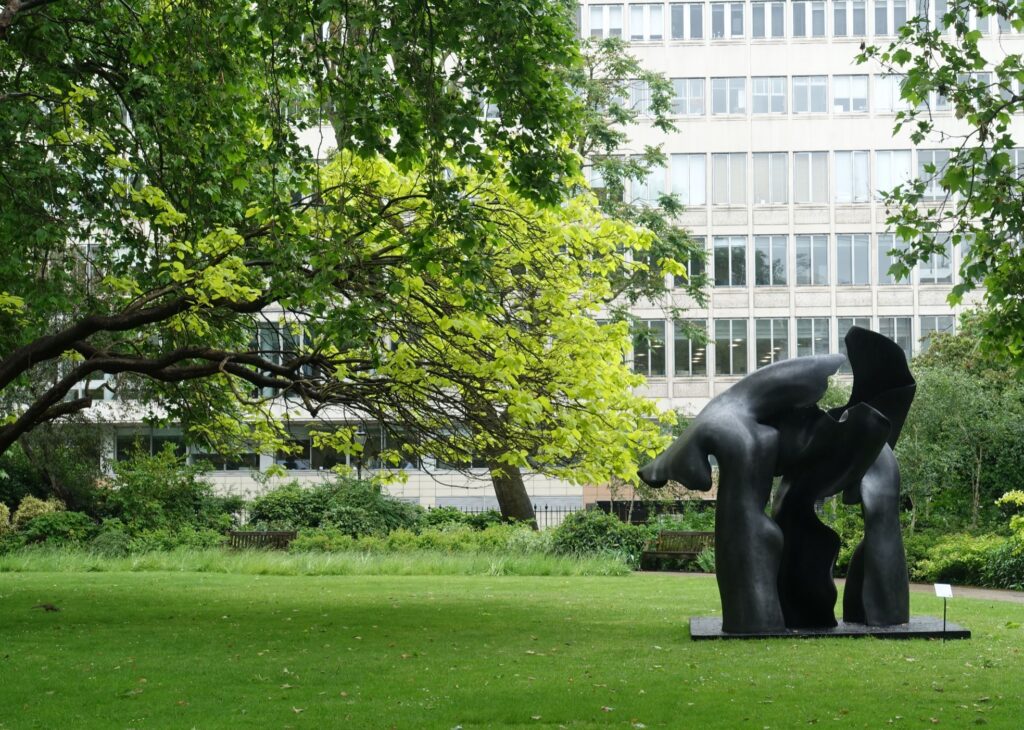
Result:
x=547 y=515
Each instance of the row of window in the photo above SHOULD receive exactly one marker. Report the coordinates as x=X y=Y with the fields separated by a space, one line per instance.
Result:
x=735 y=346
x=777 y=95
x=778 y=178
x=817 y=260
x=303 y=455
x=647 y=22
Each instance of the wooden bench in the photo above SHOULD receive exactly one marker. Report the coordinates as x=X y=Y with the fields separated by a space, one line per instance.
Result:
x=678 y=544
x=262 y=539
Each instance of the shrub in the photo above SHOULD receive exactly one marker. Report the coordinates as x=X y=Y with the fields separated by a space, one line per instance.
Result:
x=959 y=559
x=706 y=560
x=5 y=518
x=354 y=507
x=321 y=540
x=1005 y=566
x=161 y=492
x=59 y=528
x=443 y=516
x=592 y=532
x=693 y=518
x=112 y=539
x=168 y=539
x=32 y=507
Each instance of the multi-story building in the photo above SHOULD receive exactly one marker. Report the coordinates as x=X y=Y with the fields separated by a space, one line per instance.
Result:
x=783 y=145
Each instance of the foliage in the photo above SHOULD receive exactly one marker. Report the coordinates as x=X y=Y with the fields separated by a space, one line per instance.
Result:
x=32 y=507
x=161 y=492
x=112 y=539
x=958 y=558
x=706 y=560
x=1004 y=566
x=163 y=539
x=693 y=518
x=836 y=395
x=981 y=188
x=499 y=539
x=348 y=505
x=5 y=518
x=593 y=532
x=59 y=528
x=443 y=516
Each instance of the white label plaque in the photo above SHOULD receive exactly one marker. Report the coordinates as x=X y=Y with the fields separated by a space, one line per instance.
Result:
x=943 y=590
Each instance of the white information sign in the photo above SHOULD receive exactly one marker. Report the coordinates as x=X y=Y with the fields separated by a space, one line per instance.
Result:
x=943 y=590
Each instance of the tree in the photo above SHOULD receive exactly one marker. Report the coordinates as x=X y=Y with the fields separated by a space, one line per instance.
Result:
x=431 y=276
x=977 y=197
x=153 y=183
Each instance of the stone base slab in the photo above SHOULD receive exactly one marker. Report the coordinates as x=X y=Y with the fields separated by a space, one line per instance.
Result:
x=919 y=627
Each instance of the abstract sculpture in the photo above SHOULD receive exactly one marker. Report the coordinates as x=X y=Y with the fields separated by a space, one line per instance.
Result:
x=776 y=572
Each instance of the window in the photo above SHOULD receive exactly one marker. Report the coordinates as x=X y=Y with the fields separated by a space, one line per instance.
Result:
x=887 y=94
x=771 y=341
x=689 y=178
x=727 y=20
x=892 y=169
x=768 y=19
x=694 y=267
x=930 y=166
x=808 y=18
x=812 y=336
x=853 y=253
x=229 y=462
x=769 y=94
x=688 y=97
x=646 y=21
x=849 y=94
x=845 y=323
x=848 y=18
x=729 y=95
x=881 y=17
x=691 y=354
x=297 y=457
x=651 y=188
x=899 y=15
x=940 y=8
x=812 y=260
x=938 y=269
x=605 y=21
x=770 y=260
x=810 y=177
x=687 y=21
x=128 y=445
x=897 y=329
x=649 y=347
x=729 y=178
x=640 y=97
x=932 y=323
x=810 y=94
x=981 y=22
x=888 y=242
x=730 y=346
x=771 y=178
x=730 y=260
x=852 y=183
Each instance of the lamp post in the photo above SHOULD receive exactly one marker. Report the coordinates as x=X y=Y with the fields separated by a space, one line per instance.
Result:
x=360 y=438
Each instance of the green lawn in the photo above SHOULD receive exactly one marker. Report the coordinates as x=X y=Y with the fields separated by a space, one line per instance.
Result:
x=205 y=650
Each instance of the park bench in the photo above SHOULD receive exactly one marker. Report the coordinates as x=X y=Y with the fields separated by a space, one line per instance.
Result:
x=262 y=539
x=678 y=544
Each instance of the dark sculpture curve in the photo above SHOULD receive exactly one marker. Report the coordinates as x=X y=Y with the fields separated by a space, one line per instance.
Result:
x=777 y=572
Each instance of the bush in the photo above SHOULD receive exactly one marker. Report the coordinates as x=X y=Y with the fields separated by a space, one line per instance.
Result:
x=169 y=539
x=32 y=507
x=452 y=539
x=349 y=505
x=161 y=492
x=112 y=540
x=59 y=528
x=444 y=516
x=691 y=519
x=959 y=559
x=706 y=560
x=1005 y=566
x=5 y=518
x=593 y=532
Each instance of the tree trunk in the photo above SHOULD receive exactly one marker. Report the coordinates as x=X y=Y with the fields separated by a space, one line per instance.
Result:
x=976 y=495
x=510 y=490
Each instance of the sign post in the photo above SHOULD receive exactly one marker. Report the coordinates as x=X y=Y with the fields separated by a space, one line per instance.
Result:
x=943 y=591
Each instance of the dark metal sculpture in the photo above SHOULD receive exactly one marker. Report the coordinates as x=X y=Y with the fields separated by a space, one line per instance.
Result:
x=776 y=572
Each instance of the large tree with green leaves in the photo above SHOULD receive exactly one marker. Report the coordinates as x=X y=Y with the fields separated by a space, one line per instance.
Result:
x=981 y=204
x=160 y=211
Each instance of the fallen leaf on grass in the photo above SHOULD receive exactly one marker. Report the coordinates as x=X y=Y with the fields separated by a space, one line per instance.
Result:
x=605 y=708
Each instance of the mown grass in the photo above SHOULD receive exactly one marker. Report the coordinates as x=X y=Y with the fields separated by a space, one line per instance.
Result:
x=264 y=562
x=185 y=649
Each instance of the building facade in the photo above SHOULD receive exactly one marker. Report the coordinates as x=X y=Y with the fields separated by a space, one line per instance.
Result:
x=783 y=147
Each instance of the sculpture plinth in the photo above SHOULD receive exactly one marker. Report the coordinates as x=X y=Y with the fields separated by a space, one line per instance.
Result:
x=775 y=573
